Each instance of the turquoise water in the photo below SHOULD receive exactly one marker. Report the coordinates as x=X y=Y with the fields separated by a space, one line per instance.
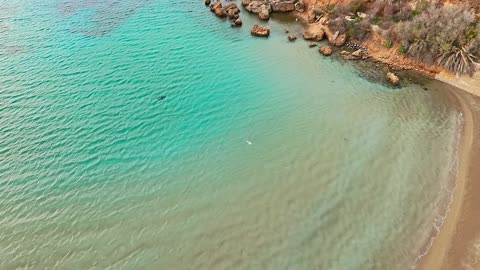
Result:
x=97 y=173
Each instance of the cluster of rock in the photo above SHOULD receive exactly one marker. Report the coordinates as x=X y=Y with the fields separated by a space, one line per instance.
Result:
x=263 y=8
x=318 y=32
x=230 y=10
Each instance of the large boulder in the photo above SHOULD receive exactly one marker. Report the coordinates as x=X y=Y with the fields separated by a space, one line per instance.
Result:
x=292 y=37
x=282 y=5
x=260 y=31
x=237 y=22
x=326 y=50
x=316 y=36
x=207 y=2
x=260 y=7
x=393 y=79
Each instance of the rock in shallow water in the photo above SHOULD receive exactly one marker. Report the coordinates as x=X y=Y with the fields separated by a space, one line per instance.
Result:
x=260 y=31
x=292 y=37
x=326 y=50
x=393 y=79
x=317 y=36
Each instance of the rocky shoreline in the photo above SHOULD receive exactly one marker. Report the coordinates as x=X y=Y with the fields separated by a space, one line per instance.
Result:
x=317 y=29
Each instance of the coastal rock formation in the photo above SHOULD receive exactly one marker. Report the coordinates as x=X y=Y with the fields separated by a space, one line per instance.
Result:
x=263 y=8
x=316 y=36
x=393 y=79
x=260 y=31
x=282 y=5
x=326 y=50
x=264 y=13
x=217 y=8
x=313 y=44
x=292 y=37
x=208 y=2
x=260 y=7
x=230 y=10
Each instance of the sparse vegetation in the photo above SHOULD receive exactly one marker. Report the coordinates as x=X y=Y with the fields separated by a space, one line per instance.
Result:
x=446 y=35
x=443 y=35
x=387 y=44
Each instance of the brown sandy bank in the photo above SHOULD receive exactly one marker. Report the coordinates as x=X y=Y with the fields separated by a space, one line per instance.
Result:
x=454 y=247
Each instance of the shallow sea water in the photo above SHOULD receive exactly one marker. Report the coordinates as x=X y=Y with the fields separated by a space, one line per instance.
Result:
x=96 y=172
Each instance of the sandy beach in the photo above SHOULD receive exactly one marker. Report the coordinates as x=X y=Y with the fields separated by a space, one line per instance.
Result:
x=456 y=245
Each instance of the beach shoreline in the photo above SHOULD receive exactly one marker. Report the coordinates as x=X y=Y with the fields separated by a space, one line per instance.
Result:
x=451 y=245
x=450 y=248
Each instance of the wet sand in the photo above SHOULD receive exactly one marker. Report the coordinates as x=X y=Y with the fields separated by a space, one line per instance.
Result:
x=453 y=248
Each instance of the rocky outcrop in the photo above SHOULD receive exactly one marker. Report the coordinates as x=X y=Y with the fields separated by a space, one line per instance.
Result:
x=208 y=2
x=326 y=50
x=313 y=35
x=263 y=8
x=292 y=37
x=282 y=5
x=311 y=45
x=217 y=8
x=230 y=10
x=260 y=7
x=260 y=31
x=393 y=79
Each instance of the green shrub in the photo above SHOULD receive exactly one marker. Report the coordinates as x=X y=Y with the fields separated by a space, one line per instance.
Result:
x=387 y=44
x=376 y=20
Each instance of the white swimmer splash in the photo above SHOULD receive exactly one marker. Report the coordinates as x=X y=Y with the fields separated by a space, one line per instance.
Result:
x=249 y=142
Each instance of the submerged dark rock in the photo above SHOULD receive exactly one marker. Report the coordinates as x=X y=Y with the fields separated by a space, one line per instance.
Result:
x=162 y=97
